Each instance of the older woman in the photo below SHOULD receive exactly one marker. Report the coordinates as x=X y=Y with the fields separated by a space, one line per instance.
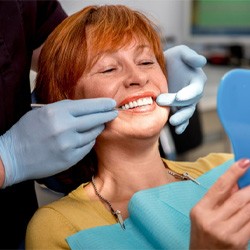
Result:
x=115 y=52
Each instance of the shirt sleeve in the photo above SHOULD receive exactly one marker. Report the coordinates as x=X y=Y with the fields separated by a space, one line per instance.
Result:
x=48 y=15
x=41 y=236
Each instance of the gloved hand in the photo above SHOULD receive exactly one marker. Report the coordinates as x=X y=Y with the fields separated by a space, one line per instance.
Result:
x=186 y=81
x=51 y=139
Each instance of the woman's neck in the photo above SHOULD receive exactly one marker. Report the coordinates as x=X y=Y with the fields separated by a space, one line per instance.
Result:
x=129 y=168
x=126 y=169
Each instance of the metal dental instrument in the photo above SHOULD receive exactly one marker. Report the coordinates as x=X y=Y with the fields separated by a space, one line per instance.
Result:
x=39 y=105
x=36 y=105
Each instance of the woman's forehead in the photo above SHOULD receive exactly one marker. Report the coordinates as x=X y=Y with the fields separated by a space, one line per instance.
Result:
x=96 y=52
x=96 y=46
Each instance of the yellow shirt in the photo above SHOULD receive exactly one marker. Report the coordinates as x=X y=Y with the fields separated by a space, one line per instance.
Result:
x=53 y=223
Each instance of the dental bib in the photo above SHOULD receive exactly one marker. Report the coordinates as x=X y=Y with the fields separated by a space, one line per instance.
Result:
x=159 y=218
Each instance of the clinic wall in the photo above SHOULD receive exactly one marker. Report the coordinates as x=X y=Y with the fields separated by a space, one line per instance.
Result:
x=168 y=14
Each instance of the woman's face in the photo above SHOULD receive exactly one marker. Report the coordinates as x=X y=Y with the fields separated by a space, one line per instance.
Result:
x=133 y=78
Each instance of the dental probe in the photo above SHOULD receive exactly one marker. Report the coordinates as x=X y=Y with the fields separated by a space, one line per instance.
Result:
x=36 y=105
x=39 y=105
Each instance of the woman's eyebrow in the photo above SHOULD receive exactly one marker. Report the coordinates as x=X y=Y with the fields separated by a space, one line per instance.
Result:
x=142 y=47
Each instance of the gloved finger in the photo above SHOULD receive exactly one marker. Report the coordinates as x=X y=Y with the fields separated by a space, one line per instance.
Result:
x=181 y=128
x=79 y=153
x=87 y=122
x=79 y=144
x=86 y=143
x=166 y=99
x=79 y=140
x=182 y=115
x=86 y=106
x=194 y=60
x=170 y=99
x=89 y=136
x=194 y=90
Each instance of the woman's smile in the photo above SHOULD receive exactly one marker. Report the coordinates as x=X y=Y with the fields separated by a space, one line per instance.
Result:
x=142 y=102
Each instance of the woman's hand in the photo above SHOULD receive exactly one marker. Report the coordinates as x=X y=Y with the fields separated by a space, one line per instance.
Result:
x=222 y=218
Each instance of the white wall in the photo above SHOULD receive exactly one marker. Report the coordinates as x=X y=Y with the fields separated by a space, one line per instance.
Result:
x=166 y=13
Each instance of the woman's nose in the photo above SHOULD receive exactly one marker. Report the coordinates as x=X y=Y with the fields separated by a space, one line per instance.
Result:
x=135 y=77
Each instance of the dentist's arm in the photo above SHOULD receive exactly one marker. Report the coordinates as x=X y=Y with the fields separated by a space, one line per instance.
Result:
x=186 y=81
x=51 y=139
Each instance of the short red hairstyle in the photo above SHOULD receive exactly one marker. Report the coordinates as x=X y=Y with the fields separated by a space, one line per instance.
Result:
x=64 y=55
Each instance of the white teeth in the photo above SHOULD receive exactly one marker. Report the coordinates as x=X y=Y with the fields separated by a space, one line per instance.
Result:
x=131 y=105
x=126 y=106
x=138 y=103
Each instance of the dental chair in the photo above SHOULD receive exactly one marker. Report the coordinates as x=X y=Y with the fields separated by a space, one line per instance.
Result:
x=173 y=145
x=233 y=106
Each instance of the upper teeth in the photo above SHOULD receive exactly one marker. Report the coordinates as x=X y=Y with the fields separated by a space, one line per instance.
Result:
x=138 y=103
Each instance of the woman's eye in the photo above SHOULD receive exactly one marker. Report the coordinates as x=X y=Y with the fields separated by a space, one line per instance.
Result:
x=107 y=70
x=147 y=62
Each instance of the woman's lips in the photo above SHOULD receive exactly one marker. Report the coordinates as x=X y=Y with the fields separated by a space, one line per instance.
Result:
x=137 y=103
x=137 y=97
x=141 y=109
x=141 y=105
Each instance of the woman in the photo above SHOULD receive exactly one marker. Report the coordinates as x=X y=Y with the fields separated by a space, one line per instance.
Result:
x=115 y=52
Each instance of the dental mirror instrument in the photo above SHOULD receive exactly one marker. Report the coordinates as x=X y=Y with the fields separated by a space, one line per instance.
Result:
x=234 y=112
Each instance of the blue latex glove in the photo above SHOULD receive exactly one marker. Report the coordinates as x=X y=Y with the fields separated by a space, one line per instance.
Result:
x=51 y=139
x=186 y=81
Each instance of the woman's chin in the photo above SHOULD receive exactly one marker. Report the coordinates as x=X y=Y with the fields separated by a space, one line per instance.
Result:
x=135 y=130
x=137 y=126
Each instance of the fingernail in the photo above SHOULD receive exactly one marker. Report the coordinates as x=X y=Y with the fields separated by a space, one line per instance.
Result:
x=244 y=163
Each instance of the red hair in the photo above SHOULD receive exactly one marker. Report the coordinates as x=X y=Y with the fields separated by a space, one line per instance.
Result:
x=64 y=55
x=63 y=60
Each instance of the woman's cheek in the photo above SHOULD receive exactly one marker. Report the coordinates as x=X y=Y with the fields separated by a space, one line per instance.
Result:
x=164 y=86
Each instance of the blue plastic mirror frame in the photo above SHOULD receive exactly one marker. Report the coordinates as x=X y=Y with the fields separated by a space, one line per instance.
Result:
x=233 y=105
